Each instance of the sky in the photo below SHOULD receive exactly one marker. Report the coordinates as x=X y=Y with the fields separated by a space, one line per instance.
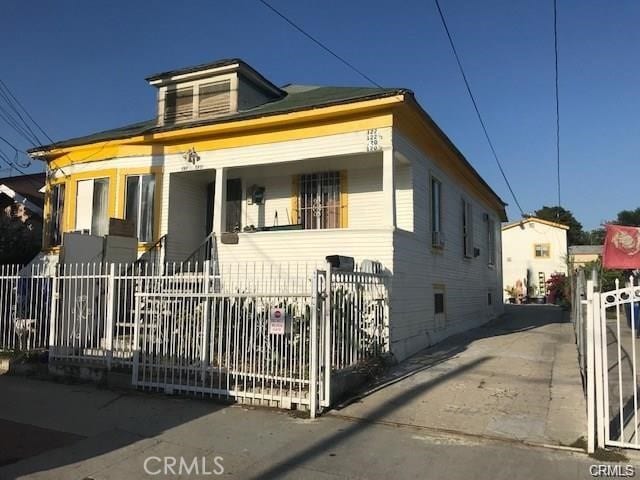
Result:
x=79 y=66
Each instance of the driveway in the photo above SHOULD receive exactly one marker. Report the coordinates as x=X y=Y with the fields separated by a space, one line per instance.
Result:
x=515 y=378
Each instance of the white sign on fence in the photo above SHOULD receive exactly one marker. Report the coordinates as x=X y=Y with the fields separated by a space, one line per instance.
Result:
x=277 y=321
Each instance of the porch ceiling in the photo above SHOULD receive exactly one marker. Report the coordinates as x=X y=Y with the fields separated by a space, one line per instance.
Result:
x=197 y=177
x=306 y=165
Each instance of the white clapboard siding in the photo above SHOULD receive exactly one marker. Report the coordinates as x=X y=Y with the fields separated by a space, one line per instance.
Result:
x=418 y=267
x=309 y=246
x=404 y=196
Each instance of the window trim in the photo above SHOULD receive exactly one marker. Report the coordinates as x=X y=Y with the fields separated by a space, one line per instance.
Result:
x=59 y=214
x=438 y=232
x=491 y=241
x=467 y=228
x=108 y=207
x=153 y=206
x=342 y=196
x=439 y=319
x=542 y=257
x=195 y=85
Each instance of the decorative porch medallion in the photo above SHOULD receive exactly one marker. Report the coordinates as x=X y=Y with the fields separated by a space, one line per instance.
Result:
x=192 y=157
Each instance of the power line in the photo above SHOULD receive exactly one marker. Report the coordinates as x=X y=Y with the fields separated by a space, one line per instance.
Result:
x=475 y=106
x=20 y=124
x=320 y=44
x=25 y=111
x=555 y=44
x=7 y=116
x=11 y=144
x=6 y=88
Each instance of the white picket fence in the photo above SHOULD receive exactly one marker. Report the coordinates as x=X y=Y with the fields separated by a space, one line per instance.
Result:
x=203 y=330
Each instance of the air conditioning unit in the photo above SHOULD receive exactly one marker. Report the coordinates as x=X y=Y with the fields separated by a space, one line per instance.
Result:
x=437 y=239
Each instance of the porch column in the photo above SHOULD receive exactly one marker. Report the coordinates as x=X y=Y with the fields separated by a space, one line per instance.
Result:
x=219 y=201
x=388 y=189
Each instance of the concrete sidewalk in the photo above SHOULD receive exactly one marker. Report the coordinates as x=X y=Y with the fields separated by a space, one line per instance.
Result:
x=102 y=435
x=515 y=378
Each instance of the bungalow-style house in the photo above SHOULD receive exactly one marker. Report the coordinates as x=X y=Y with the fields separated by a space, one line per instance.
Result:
x=532 y=250
x=293 y=174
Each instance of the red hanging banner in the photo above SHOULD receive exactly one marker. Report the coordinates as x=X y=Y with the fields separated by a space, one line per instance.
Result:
x=621 y=247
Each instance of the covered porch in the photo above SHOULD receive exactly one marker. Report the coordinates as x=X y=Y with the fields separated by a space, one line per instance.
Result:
x=298 y=211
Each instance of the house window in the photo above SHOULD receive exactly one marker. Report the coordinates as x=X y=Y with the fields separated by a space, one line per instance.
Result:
x=467 y=228
x=541 y=250
x=439 y=306
x=199 y=100
x=437 y=238
x=214 y=99
x=438 y=302
x=92 y=201
x=178 y=105
x=319 y=200
x=233 y=217
x=56 y=210
x=491 y=241
x=489 y=298
x=139 y=205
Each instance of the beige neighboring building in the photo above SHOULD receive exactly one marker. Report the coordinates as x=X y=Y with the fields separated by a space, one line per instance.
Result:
x=533 y=245
x=580 y=255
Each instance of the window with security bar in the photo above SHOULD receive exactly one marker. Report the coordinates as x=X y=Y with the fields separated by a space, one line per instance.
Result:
x=319 y=200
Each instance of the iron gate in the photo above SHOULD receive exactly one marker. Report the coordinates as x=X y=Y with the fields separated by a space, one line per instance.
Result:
x=223 y=345
x=617 y=348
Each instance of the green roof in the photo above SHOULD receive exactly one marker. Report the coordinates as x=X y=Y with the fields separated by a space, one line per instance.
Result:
x=298 y=97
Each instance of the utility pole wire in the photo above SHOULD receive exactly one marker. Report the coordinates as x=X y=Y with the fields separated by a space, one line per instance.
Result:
x=19 y=124
x=320 y=44
x=555 y=43
x=6 y=88
x=25 y=111
x=475 y=106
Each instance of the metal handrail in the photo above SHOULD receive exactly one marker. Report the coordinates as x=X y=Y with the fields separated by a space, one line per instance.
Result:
x=153 y=255
x=205 y=251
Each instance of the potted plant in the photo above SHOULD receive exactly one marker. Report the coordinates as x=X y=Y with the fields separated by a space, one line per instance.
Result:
x=533 y=295
x=512 y=293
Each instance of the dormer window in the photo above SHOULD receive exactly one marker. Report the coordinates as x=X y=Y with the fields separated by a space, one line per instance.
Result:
x=209 y=91
x=200 y=100
x=178 y=105
x=214 y=99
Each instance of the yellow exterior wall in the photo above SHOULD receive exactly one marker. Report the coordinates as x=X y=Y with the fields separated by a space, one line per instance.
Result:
x=338 y=119
x=278 y=128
